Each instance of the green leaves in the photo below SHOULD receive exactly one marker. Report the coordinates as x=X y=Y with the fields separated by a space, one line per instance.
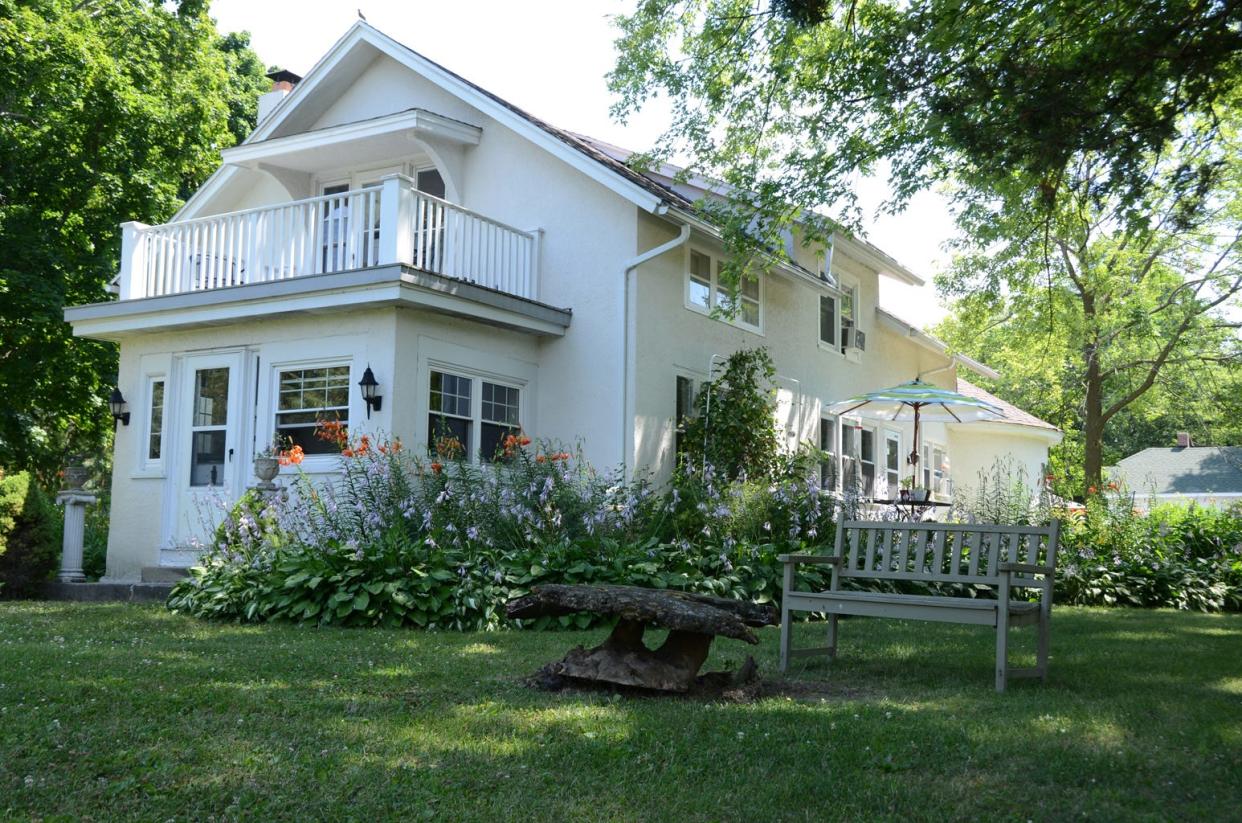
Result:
x=108 y=112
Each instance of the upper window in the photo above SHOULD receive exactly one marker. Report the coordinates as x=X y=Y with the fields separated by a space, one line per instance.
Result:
x=705 y=291
x=307 y=398
x=849 y=318
x=828 y=319
x=456 y=427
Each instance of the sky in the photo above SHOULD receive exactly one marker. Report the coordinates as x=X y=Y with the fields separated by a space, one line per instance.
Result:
x=550 y=57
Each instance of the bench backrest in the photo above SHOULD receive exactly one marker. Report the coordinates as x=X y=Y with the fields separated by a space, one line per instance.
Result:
x=941 y=552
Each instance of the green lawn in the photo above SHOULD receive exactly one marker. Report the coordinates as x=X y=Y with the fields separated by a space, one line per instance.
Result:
x=123 y=712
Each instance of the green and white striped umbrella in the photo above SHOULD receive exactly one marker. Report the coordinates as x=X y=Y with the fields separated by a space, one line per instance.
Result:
x=922 y=401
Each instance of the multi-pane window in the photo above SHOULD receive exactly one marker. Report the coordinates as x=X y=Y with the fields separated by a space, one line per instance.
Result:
x=892 y=462
x=939 y=473
x=155 y=422
x=706 y=291
x=450 y=414
x=453 y=419
x=927 y=466
x=828 y=319
x=850 y=477
x=307 y=398
x=828 y=445
x=499 y=418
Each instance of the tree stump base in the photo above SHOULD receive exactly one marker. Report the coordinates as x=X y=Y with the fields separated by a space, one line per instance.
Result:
x=623 y=659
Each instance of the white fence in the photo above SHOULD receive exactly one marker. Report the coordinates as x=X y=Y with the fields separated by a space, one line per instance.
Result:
x=390 y=223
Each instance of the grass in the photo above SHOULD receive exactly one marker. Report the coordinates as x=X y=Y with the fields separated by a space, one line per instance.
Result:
x=125 y=712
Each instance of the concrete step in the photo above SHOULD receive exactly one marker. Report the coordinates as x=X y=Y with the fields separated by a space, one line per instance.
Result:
x=163 y=574
x=103 y=592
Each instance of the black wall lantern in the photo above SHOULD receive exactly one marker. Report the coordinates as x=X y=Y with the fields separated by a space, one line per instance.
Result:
x=370 y=392
x=120 y=409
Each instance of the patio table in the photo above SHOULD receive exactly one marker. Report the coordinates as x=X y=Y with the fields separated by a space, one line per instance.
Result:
x=912 y=510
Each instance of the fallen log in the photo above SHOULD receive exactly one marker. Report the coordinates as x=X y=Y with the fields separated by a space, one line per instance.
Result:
x=623 y=658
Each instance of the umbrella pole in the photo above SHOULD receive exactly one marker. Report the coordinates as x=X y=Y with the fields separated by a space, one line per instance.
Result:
x=914 y=455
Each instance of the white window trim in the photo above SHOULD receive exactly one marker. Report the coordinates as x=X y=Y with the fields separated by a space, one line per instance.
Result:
x=312 y=463
x=476 y=376
x=734 y=320
x=890 y=436
x=146 y=466
x=835 y=422
x=831 y=348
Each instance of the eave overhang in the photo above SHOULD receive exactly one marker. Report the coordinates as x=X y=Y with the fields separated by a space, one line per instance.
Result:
x=395 y=285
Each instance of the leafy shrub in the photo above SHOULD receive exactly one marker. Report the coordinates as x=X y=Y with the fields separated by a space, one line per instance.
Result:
x=734 y=428
x=400 y=540
x=95 y=539
x=29 y=536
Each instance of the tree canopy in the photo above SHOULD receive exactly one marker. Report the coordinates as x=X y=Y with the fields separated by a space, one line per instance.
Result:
x=789 y=100
x=109 y=111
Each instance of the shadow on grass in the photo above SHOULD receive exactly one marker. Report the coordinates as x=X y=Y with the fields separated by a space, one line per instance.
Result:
x=161 y=716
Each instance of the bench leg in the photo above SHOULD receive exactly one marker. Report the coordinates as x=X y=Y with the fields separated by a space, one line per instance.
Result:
x=786 y=632
x=832 y=636
x=1002 y=646
x=1041 y=656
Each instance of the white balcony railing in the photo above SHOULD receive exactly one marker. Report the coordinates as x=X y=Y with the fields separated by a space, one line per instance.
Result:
x=389 y=223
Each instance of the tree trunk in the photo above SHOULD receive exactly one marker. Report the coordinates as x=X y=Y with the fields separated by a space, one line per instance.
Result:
x=1093 y=423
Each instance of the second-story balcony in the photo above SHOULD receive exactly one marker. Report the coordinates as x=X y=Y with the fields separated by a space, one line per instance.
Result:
x=392 y=223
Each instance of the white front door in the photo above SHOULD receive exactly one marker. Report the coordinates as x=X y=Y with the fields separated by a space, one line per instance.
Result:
x=207 y=476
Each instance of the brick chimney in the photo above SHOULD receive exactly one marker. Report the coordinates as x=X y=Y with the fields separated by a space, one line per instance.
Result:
x=1183 y=440
x=282 y=83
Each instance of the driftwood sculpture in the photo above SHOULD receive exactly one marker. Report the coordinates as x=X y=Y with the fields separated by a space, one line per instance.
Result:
x=623 y=659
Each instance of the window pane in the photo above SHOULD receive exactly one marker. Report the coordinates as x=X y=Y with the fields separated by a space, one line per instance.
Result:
x=442 y=430
x=431 y=182
x=827 y=443
x=750 y=288
x=450 y=394
x=893 y=454
x=700 y=266
x=500 y=404
x=156 y=427
x=207 y=458
x=491 y=436
x=307 y=398
x=828 y=319
x=211 y=397
x=750 y=312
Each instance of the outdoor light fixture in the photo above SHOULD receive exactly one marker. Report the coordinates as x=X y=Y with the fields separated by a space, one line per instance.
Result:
x=120 y=409
x=370 y=393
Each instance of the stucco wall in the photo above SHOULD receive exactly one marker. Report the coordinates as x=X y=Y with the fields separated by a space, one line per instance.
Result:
x=976 y=448
x=671 y=339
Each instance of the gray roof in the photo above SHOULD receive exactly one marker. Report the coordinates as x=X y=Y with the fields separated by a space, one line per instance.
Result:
x=1190 y=470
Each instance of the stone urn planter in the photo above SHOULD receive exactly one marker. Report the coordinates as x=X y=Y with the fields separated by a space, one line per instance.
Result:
x=266 y=469
x=919 y=495
x=76 y=475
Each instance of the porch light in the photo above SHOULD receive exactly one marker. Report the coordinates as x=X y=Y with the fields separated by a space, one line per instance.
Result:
x=120 y=409
x=370 y=394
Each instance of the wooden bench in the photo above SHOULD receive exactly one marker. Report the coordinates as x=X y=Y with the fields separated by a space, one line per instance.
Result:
x=979 y=555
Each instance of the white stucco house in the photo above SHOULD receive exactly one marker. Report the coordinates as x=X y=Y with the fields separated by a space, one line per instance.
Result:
x=491 y=271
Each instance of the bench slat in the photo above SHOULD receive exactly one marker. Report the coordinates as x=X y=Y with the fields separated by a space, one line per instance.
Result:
x=938 y=552
x=973 y=545
x=920 y=551
x=852 y=537
x=903 y=550
x=870 y=557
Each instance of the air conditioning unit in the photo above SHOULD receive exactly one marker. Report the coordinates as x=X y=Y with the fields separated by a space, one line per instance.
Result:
x=852 y=338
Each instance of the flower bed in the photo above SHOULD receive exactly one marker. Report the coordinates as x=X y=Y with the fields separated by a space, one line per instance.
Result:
x=440 y=543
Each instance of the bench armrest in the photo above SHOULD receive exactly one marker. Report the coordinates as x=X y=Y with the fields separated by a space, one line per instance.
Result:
x=1025 y=568
x=809 y=558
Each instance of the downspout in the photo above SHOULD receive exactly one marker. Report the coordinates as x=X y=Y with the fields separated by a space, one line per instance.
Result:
x=626 y=432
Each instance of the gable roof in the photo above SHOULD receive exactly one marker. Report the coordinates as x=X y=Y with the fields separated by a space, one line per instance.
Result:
x=1186 y=470
x=1010 y=412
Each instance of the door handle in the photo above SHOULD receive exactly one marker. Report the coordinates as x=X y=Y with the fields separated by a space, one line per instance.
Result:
x=230 y=455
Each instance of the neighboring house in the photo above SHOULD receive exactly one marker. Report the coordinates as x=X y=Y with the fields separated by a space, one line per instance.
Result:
x=1207 y=475
x=490 y=271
